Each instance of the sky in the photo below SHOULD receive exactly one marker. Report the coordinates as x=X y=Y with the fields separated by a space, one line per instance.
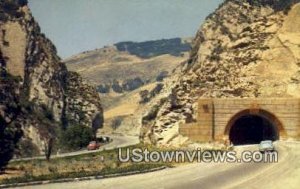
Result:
x=75 y=26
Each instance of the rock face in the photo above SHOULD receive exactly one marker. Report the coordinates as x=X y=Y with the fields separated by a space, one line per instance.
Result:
x=46 y=85
x=244 y=49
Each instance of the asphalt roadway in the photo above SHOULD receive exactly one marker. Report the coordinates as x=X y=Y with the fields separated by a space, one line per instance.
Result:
x=283 y=174
x=117 y=142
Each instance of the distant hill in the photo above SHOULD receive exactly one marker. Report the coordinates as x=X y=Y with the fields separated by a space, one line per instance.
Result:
x=127 y=66
x=151 y=49
x=128 y=75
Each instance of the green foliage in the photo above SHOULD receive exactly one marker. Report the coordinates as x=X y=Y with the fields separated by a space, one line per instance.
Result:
x=117 y=87
x=132 y=84
x=26 y=148
x=75 y=137
x=97 y=123
x=277 y=5
x=11 y=8
x=22 y=2
x=116 y=122
x=103 y=88
x=142 y=167
x=9 y=137
x=146 y=96
x=161 y=76
x=155 y=48
x=10 y=130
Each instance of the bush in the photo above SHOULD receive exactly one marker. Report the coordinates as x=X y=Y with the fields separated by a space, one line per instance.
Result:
x=10 y=131
x=132 y=84
x=103 y=88
x=161 y=76
x=116 y=122
x=146 y=96
x=116 y=87
x=22 y=2
x=97 y=123
x=9 y=137
x=27 y=148
x=76 y=137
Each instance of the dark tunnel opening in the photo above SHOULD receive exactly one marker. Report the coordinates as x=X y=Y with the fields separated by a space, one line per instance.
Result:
x=252 y=129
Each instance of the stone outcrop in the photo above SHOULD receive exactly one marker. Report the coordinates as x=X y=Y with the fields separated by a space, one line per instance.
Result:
x=46 y=86
x=244 y=49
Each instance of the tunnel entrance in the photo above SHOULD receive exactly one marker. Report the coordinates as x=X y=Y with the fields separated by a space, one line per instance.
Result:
x=252 y=129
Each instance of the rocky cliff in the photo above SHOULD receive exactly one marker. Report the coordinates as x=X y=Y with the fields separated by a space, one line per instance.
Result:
x=247 y=48
x=48 y=94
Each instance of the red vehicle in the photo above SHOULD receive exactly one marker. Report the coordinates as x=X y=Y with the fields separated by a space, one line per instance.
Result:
x=93 y=145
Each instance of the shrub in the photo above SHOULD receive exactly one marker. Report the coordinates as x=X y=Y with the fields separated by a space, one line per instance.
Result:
x=116 y=87
x=144 y=96
x=22 y=2
x=103 y=88
x=161 y=76
x=97 y=123
x=132 y=84
x=76 y=137
x=10 y=131
x=116 y=122
x=9 y=137
x=27 y=148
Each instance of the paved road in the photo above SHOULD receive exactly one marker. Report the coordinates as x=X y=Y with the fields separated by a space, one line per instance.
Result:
x=284 y=174
x=118 y=141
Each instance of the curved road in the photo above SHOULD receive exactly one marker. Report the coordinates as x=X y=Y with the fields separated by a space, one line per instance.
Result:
x=118 y=141
x=284 y=174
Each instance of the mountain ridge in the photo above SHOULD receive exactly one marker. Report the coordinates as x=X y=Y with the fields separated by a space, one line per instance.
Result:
x=242 y=50
x=47 y=95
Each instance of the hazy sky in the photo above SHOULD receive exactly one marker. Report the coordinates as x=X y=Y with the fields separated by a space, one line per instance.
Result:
x=79 y=25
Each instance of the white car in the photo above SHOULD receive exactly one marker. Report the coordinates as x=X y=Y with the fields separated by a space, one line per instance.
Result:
x=266 y=146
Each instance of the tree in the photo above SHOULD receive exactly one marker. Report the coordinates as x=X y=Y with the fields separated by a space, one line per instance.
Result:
x=10 y=129
x=97 y=123
x=116 y=122
x=47 y=131
x=9 y=137
x=116 y=86
x=22 y=2
x=76 y=137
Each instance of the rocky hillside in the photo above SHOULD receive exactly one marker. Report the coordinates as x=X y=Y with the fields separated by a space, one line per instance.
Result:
x=246 y=48
x=36 y=83
x=127 y=66
x=128 y=75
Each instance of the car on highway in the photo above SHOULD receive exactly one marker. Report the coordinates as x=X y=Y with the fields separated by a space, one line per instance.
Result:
x=266 y=146
x=93 y=145
x=104 y=139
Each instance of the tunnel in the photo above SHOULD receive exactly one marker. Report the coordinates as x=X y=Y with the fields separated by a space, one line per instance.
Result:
x=252 y=129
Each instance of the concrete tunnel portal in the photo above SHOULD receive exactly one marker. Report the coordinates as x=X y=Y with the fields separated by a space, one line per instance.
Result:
x=244 y=120
x=247 y=127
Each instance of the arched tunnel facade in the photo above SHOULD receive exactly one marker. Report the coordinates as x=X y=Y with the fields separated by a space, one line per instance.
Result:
x=252 y=128
x=244 y=120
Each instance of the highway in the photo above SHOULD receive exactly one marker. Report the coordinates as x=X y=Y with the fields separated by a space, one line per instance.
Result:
x=284 y=174
x=117 y=142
